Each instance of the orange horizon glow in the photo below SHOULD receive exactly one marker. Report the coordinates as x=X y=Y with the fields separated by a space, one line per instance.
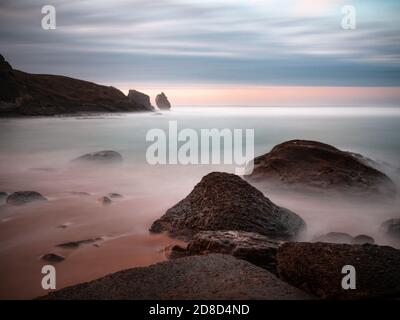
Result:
x=270 y=95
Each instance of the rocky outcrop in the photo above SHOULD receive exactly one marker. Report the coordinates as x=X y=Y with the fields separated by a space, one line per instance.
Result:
x=310 y=165
x=100 y=157
x=24 y=197
x=391 y=228
x=210 y=277
x=53 y=257
x=223 y=201
x=317 y=268
x=140 y=99
x=28 y=94
x=162 y=102
x=249 y=246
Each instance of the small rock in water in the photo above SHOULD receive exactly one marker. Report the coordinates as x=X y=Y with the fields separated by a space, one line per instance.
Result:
x=335 y=237
x=76 y=244
x=363 y=239
x=100 y=157
x=3 y=196
x=64 y=225
x=391 y=228
x=105 y=201
x=162 y=101
x=24 y=197
x=52 y=257
x=114 y=195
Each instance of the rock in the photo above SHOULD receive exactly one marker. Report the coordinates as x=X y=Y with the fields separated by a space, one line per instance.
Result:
x=315 y=166
x=162 y=101
x=52 y=257
x=210 y=277
x=24 y=197
x=105 y=201
x=141 y=99
x=114 y=195
x=175 y=252
x=76 y=244
x=100 y=157
x=316 y=268
x=335 y=237
x=3 y=197
x=223 y=201
x=64 y=225
x=26 y=94
x=249 y=246
x=363 y=239
x=391 y=228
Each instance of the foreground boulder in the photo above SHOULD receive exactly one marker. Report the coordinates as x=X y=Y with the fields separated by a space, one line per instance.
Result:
x=100 y=157
x=29 y=94
x=24 y=197
x=214 y=276
x=223 y=201
x=316 y=268
x=391 y=228
x=249 y=246
x=315 y=166
x=162 y=102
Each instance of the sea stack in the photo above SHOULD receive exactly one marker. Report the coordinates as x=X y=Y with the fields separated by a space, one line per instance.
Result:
x=162 y=102
x=140 y=99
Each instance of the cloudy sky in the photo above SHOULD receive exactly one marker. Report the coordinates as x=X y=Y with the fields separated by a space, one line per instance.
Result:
x=221 y=51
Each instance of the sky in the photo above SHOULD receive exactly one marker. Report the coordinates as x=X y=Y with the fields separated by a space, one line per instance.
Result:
x=261 y=52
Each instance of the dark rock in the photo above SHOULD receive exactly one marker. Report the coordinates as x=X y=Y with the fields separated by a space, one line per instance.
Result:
x=114 y=195
x=162 y=101
x=141 y=99
x=249 y=246
x=391 y=228
x=28 y=94
x=223 y=201
x=76 y=244
x=24 y=197
x=175 y=252
x=52 y=257
x=210 y=277
x=335 y=237
x=363 y=239
x=3 y=196
x=105 y=201
x=317 y=268
x=315 y=166
x=100 y=157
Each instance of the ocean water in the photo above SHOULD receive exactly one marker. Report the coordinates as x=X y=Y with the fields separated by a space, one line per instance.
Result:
x=35 y=155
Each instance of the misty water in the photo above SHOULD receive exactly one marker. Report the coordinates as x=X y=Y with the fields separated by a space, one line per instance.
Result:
x=35 y=155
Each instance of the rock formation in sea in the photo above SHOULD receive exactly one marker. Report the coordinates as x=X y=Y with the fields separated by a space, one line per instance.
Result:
x=391 y=228
x=315 y=166
x=162 y=102
x=223 y=201
x=214 y=276
x=24 y=197
x=99 y=157
x=28 y=94
x=140 y=99
x=341 y=237
x=317 y=268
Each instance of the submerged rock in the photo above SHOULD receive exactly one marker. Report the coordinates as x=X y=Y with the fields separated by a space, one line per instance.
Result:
x=335 y=237
x=52 y=257
x=391 y=228
x=317 y=268
x=76 y=244
x=223 y=201
x=100 y=157
x=311 y=165
x=105 y=201
x=114 y=195
x=24 y=197
x=210 y=277
x=162 y=101
x=249 y=246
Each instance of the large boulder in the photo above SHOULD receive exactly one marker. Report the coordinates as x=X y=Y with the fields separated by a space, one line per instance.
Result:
x=100 y=157
x=24 y=197
x=391 y=228
x=140 y=99
x=317 y=268
x=249 y=246
x=214 y=276
x=315 y=166
x=162 y=102
x=223 y=201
